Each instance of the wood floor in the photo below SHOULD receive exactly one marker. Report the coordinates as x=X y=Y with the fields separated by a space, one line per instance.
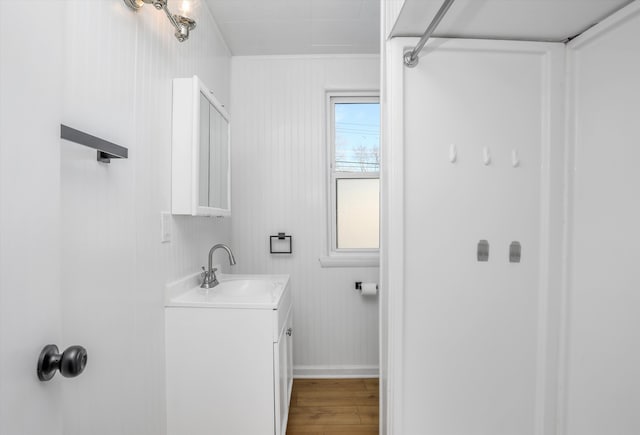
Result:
x=334 y=407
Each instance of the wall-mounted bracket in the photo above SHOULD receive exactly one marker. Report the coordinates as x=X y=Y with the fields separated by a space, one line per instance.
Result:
x=515 y=252
x=106 y=150
x=483 y=251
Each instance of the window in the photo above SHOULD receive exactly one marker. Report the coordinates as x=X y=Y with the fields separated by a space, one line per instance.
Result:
x=354 y=180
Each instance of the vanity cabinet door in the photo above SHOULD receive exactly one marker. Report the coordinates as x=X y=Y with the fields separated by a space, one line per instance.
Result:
x=289 y=353
x=283 y=372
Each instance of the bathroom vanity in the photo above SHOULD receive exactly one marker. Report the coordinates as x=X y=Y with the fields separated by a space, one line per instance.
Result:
x=229 y=355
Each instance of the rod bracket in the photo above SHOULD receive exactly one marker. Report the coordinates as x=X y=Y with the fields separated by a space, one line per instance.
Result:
x=410 y=59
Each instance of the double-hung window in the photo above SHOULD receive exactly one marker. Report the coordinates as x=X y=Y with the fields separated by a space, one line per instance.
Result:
x=354 y=174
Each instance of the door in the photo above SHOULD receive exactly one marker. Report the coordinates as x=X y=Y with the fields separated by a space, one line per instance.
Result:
x=30 y=93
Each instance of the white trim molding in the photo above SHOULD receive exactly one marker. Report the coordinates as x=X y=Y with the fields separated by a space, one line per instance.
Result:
x=350 y=260
x=335 y=371
x=393 y=231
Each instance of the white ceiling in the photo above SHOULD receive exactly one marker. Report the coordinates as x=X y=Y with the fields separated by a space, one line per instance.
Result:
x=538 y=20
x=268 y=27
x=257 y=27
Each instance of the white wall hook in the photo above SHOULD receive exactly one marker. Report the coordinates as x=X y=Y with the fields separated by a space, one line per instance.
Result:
x=486 y=156
x=515 y=159
x=453 y=154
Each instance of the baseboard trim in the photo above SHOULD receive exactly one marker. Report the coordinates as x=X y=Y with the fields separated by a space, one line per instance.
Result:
x=335 y=372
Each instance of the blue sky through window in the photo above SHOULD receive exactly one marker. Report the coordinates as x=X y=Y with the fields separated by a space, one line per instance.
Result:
x=357 y=136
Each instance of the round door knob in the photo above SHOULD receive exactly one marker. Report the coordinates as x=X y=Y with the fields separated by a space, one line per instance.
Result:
x=71 y=362
x=289 y=332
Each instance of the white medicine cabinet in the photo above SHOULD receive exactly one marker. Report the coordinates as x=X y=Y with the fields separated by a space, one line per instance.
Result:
x=200 y=150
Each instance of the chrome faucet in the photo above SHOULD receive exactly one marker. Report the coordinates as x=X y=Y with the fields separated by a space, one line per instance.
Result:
x=209 y=279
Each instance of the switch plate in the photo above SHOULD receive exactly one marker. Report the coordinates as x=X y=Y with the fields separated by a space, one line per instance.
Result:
x=165 y=227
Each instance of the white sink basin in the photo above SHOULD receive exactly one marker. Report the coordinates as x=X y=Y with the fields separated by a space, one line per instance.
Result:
x=234 y=291
x=243 y=288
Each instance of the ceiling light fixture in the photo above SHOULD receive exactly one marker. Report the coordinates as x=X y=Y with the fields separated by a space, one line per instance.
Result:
x=181 y=23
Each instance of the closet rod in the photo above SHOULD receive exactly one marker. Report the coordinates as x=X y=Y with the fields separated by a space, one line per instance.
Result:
x=411 y=56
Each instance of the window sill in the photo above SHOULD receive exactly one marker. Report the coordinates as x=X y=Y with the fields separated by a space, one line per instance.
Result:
x=350 y=260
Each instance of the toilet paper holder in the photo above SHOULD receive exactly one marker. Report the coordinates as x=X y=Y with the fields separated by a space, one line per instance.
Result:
x=359 y=285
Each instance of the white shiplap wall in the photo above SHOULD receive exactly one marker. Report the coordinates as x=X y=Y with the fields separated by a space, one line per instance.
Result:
x=117 y=84
x=601 y=357
x=279 y=184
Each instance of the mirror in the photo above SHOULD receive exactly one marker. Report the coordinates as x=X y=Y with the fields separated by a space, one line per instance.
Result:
x=214 y=158
x=201 y=161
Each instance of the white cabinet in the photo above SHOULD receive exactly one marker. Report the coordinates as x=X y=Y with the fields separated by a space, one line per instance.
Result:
x=229 y=369
x=200 y=151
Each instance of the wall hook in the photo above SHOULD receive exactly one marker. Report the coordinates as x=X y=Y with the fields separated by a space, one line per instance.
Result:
x=515 y=159
x=453 y=155
x=486 y=156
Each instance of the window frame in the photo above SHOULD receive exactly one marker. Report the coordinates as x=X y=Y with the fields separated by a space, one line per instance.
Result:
x=344 y=256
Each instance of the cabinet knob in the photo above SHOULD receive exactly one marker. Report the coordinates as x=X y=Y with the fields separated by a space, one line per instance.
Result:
x=289 y=332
